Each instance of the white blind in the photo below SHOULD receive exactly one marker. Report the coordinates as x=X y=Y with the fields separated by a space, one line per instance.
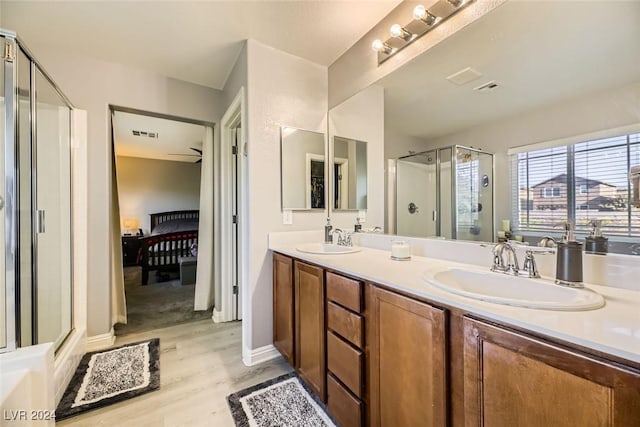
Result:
x=577 y=182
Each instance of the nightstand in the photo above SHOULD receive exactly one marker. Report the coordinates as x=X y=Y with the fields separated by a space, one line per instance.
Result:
x=130 y=249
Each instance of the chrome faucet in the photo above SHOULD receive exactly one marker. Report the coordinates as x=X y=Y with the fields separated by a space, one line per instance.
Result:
x=344 y=237
x=499 y=265
x=529 y=266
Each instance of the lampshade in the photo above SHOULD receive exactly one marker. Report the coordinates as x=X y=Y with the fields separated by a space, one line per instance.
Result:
x=130 y=223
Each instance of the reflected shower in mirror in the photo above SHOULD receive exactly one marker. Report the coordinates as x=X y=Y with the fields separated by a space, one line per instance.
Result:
x=302 y=158
x=349 y=174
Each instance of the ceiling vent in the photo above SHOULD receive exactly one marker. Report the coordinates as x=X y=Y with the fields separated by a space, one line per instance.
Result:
x=487 y=87
x=145 y=134
x=464 y=76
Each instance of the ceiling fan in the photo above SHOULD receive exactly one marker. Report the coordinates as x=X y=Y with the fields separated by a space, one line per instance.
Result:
x=197 y=150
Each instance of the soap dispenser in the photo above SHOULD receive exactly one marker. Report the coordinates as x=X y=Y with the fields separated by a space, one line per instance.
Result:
x=357 y=226
x=595 y=242
x=327 y=231
x=569 y=259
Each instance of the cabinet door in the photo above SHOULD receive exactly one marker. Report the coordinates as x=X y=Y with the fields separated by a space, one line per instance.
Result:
x=407 y=370
x=283 y=314
x=511 y=379
x=309 y=327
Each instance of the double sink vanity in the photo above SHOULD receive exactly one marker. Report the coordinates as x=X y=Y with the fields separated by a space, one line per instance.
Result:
x=435 y=341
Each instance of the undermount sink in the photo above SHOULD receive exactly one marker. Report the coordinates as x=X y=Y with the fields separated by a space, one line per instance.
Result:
x=327 y=249
x=511 y=290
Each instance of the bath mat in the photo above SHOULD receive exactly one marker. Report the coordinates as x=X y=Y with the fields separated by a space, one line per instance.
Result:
x=283 y=401
x=109 y=376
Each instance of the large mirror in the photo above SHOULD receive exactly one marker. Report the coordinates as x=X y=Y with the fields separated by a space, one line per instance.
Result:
x=349 y=174
x=303 y=169
x=536 y=75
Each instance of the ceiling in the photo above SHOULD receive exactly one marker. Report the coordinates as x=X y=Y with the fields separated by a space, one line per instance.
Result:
x=194 y=41
x=171 y=140
x=539 y=53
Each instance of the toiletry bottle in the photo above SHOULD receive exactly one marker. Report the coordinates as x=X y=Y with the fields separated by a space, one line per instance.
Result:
x=357 y=227
x=595 y=242
x=569 y=259
x=327 y=231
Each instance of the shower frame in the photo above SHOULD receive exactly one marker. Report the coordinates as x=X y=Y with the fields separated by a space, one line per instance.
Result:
x=12 y=46
x=454 y=196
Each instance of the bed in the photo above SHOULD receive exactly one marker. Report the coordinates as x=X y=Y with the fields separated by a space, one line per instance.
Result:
x=173 y=235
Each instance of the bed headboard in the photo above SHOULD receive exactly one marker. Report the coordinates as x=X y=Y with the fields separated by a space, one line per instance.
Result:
x=160 y=217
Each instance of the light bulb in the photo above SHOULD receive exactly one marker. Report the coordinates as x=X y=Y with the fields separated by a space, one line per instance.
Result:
x=419 y=12
x=396 y=30
x=380 y=46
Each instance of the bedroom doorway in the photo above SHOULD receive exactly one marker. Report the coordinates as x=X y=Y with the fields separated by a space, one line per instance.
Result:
x=163 y=216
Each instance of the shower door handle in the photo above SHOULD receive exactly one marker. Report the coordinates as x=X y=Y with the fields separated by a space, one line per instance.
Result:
x=40 y=222
x=435 y=216
x=1 y=203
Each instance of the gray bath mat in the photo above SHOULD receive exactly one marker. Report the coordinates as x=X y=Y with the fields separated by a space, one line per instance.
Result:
x=109 y=376
x=283 y=401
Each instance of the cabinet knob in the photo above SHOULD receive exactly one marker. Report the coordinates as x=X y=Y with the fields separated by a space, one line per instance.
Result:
x=475 y=332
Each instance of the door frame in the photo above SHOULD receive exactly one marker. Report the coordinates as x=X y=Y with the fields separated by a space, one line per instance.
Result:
x=234 y=118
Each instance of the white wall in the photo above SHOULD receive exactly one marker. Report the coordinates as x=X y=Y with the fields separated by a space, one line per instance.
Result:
x=147 y=186
x=361 y=117
x=92 y=85
x=283 y=90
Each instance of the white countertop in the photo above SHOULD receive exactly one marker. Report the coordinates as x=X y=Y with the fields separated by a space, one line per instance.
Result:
x=612 y=329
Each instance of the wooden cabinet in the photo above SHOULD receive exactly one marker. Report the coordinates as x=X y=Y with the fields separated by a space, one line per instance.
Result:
x=283 y=304
x=345 y=350
x=309 y=326
x=511 y=379
x=130 y=249
x=407 y=363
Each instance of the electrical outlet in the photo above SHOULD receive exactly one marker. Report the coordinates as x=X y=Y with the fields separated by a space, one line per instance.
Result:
x=287 y=217
x=363 y=216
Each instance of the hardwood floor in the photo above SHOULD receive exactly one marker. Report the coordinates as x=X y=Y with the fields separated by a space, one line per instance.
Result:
x=200 y=364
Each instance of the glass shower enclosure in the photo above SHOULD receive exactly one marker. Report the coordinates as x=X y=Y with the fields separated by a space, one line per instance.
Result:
x=445 y=192
x=35 y=202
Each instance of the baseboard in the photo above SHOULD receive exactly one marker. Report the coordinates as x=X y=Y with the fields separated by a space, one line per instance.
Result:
x=217 y=316
x=98 y=342
x=260 y=355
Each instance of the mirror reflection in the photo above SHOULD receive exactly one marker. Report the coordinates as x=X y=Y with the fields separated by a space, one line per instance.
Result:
x=551 y=89
x=302 y=169
x=349 y=174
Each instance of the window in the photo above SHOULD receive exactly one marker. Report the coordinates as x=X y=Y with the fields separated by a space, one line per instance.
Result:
x=578 y=182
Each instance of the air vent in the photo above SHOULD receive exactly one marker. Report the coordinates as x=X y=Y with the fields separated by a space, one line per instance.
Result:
x=145 y=134
x=464 y=76
x=487 y=87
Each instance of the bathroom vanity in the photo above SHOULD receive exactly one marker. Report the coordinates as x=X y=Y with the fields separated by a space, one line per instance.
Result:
x=382 y=349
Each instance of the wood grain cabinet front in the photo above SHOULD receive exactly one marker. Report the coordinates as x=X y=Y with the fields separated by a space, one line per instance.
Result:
x=406 y=360
x=309 y=326
x=283 y=307
x=512 y=379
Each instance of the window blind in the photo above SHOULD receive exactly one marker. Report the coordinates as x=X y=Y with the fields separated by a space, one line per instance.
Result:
x=577 y=182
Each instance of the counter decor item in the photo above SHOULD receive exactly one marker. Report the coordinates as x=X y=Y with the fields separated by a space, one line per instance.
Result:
x=569 y=259
x=400 y=251
x=595 y=242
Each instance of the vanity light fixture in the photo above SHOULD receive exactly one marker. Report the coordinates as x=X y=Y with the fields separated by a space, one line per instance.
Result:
x=423 y=21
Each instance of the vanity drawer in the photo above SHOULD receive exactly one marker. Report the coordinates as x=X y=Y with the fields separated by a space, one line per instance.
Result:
x=345 y=323
x=343 y=406
x=345 y=362
x=346 y=292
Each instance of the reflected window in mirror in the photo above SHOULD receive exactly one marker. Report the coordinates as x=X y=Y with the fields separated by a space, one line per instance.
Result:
x=302 y=160
x=349 y=174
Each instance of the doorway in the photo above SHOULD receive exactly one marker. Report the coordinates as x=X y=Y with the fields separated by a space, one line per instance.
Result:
x=162 y=215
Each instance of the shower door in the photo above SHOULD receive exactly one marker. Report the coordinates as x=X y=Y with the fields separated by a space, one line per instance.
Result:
x=416 y=196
